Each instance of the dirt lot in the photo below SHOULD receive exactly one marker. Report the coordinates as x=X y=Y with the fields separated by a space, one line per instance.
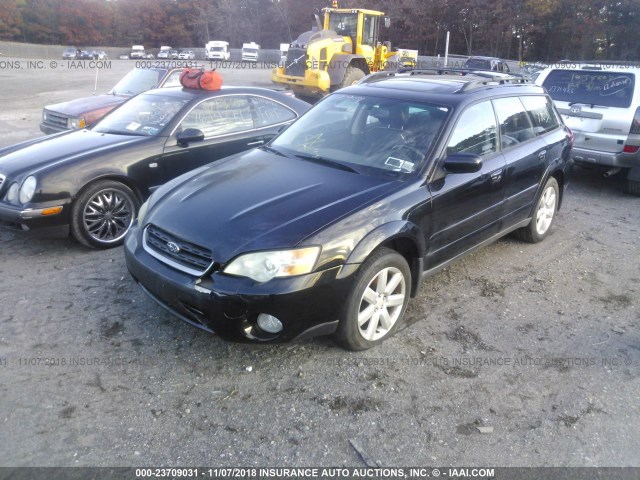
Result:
x=540 y=342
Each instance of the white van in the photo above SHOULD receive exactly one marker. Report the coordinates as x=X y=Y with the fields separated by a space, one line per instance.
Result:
x=250 y=52
x=137 y=51
x=217 y=50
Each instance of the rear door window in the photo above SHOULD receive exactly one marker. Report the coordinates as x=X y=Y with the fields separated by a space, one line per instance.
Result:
x=608 y=89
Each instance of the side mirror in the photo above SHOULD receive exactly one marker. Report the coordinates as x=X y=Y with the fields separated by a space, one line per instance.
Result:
x=190 y=135
x=463 y=163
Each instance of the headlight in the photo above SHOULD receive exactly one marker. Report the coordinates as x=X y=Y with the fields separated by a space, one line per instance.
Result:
x=44 y=115
x=76 y=123
x=142 y=212
x=12 y=194
x=27 y=189
x=263 y=266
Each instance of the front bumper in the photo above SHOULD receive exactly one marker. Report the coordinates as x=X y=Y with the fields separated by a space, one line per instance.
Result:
x=314 y=82
x=48 y=128
x=20 y=218
x=307 y=305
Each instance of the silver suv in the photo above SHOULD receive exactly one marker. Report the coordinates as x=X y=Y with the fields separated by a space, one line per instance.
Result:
x=600 y=103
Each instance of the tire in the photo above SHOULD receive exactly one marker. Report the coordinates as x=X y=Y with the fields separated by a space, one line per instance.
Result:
x=383 y=264
x=351 y=76
x=543 y=215
x=103 y=213
x=632 y=186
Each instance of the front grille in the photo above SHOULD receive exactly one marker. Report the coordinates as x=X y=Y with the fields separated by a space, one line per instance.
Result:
x=296 y=63
x=192 y=258
x=56 y=119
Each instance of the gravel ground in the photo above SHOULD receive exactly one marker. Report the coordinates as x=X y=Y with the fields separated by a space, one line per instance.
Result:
x=539 y=342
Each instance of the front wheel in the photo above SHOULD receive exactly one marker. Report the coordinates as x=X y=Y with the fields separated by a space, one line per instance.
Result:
x=352 y=75
x=103 y=213
x=377 y=301
x=543 y=215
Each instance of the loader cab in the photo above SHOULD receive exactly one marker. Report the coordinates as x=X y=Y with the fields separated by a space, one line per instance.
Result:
x=361 y=26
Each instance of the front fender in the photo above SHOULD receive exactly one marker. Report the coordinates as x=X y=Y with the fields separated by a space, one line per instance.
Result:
x=401 y=235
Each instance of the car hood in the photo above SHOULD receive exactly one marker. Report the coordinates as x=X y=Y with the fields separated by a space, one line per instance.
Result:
x=35 y=154
x=82 y=106
x=259 y=200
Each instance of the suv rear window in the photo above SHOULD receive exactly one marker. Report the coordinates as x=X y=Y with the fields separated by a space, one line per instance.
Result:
x=608 y=89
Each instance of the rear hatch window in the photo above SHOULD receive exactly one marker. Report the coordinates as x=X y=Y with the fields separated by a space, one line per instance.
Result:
x=607 y=89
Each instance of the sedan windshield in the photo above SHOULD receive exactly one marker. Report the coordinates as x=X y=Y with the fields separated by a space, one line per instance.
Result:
x=365 y=133
x=144 y=115
x=138 y=80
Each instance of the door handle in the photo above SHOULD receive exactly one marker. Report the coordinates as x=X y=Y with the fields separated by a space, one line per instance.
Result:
x=153 y=165
x=496 y=176
x=542 y=154
x=259 y=142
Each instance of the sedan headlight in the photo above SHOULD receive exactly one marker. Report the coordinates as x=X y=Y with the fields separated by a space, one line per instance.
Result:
x=12 y=194
x=27 y=189
x=76 y=123
x=263 y=266
x=44 y=115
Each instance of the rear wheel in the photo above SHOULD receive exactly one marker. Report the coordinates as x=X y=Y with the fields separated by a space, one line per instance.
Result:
x=632 y=186
x=103 y=213
x=544 y=214
x=377 y=301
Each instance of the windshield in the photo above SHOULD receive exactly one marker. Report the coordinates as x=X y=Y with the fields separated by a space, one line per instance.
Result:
x=144 y=115
x=344 y=24
x=217 y=49
x=368 y=134
x=138 y=80
x=250 y=50
x=609 y=89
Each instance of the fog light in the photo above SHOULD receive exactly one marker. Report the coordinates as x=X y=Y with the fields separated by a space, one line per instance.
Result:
x=269 y=323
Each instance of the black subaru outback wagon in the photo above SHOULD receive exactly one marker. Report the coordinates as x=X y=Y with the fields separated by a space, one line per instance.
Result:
x=330 y=227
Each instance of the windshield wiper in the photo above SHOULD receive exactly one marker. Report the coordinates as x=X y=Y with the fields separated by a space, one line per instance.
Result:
x=592 y=105
x=122 y=132
x=327 y=161
x=270 y=149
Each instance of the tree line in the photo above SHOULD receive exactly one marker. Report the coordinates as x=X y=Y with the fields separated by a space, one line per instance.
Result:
x=532 y=30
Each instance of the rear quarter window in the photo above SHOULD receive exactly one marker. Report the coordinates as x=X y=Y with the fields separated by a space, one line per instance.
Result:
x=609 y=89
x=542 y=114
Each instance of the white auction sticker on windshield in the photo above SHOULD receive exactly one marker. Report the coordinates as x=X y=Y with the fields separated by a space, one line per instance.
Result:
x=133 y=126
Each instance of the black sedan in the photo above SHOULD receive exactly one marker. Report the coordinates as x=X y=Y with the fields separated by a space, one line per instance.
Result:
x=95 y=179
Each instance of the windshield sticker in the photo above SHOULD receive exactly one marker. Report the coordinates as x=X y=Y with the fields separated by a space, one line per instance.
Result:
x=399 y=164
x=133 y=126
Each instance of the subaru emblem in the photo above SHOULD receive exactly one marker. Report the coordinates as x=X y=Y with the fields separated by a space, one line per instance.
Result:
x=173 y=248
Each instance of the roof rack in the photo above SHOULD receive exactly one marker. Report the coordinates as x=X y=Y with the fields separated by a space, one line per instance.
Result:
x=485 y=77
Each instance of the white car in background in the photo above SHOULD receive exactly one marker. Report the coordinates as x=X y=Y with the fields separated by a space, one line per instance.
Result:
x=600 y=103
x=187 y=55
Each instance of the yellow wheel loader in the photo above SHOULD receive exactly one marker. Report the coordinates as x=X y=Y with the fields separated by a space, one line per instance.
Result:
x=343 y=49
